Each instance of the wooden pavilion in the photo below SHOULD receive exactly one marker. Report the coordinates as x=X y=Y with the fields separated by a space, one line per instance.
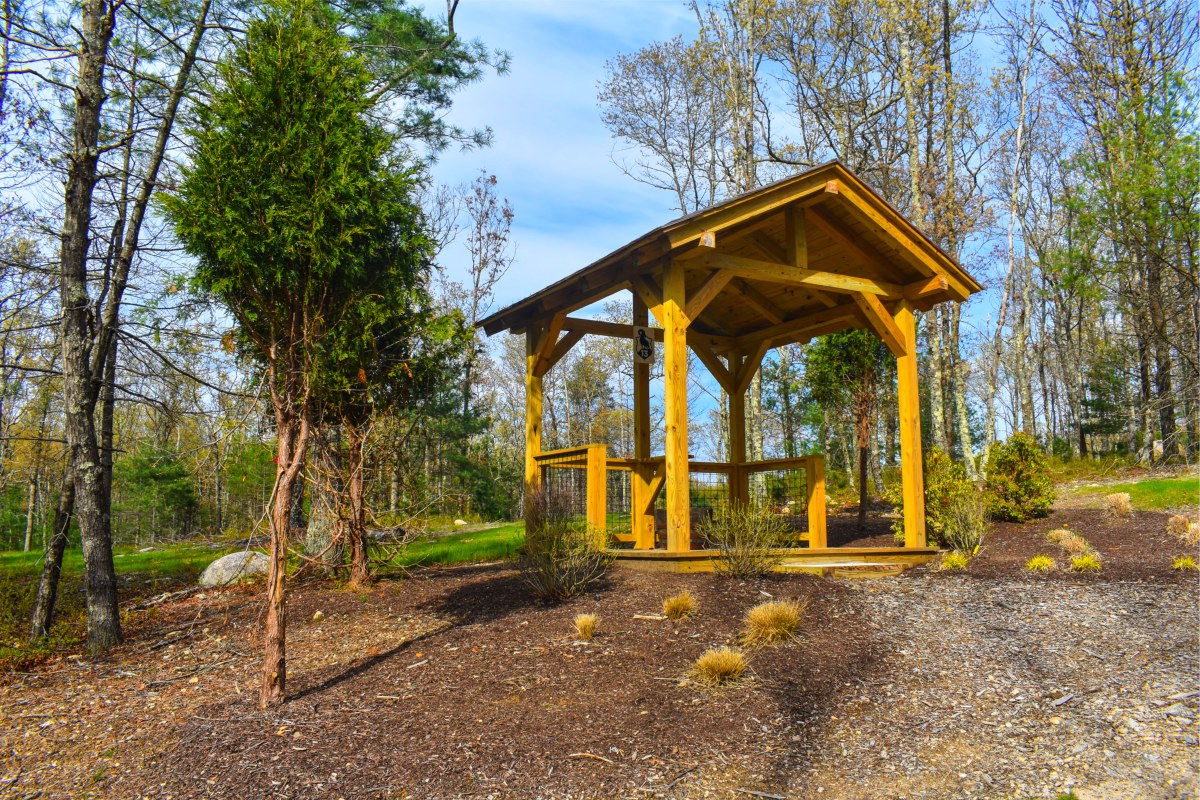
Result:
x=809 y=255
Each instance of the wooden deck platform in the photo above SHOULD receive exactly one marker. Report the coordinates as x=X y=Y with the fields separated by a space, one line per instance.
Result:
x=835 y=562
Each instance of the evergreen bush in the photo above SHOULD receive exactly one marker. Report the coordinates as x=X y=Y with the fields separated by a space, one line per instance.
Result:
x=950 y=503
x=1018 y=480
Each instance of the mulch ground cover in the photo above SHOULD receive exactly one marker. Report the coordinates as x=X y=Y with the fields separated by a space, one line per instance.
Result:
x=459 y=683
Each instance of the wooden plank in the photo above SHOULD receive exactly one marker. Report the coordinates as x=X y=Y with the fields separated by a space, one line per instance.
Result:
x=533 y=420
x=782 y=273
x=597 y=491
x=708 y=291
x=929 y=287
x=689 y=230
x=658 y=479
x=814 y=474
x=676 y=408
x=755 y=299
x=909 y=399
x=563 y=347
x=713 y=362
x=881 y=322
x=642 y=522
x=790 y=328
x=774 y=252
x=866 y=255
x=795 y=237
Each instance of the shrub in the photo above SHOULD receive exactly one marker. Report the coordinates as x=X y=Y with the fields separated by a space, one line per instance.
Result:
x=1088 y=562
x=1119 y=505
x=954 y=561
x=949 y=501
x=585 y=626
x=561 y=558
x=1041 y=564
x=1059 y=535
x=719 y=666
x=747 y=538
x=966 y=519
x=773 y=622
x=1018 y=482
x=1184 y=563
x=681 y=605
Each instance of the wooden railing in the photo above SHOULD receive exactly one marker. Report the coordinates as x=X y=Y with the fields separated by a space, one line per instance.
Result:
x=578 y=478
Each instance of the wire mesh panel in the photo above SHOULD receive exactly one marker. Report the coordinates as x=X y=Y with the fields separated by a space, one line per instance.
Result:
x=619 y=503
x=784 y=491
x=564 y=483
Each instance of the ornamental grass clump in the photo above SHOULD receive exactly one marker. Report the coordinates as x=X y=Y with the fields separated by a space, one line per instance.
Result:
x=773 y=622
x=1088 y=562
x=1059 y=535
x=585 y=626
x=719 y=666
x=679 y=606
x=1184 y=563
x=954 y=561
x=747 y=538
x=1119 y=505
x=1018 y=480
x=1041 y=564
x=561 y=558
x=1183 y=529
x=1077 y=546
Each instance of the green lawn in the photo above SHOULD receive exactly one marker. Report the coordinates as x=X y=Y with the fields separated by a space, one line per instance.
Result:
x=491 y=544
x=172 y=561
x=1156 y=493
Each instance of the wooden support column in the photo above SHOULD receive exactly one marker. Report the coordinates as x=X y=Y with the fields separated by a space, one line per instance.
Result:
x=643 y=520
x=533 y=414
x=675 y=358
x=597 y=491
x=911 y=463
x=737 y=430
x=814 y=473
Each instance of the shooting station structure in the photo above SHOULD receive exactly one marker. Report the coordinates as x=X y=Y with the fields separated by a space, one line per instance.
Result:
x=813 y=254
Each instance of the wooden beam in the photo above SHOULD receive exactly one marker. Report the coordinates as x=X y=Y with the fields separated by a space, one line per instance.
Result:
x=756 y=300
x=533 y=421
x=708 y=291
x=919 y=290
x=713 y=362
x=750 y=366
x=909 y=399
x=620 y=330
x=918 y=251
x=783 y=273
x=774 y=252
x=643 y=521
x=814 y=475
x=643 y=287
x=795 y=237
x=737 y=433
x=597 y=490
x=866 y=255
x=731 y=215
x=793 y=326
x=679 y=536
x=881 y=322
x=564 y=345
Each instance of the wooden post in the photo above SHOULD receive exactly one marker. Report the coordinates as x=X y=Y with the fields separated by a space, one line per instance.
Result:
x=911 y=464
x=533 y=415
x=597 y=490
x=679 y=516
x=642 y=522
x=738 y=485
x=814 y=473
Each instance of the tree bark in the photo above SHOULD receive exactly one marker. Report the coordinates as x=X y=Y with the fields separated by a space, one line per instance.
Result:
x=43 y=611
x=360 y=575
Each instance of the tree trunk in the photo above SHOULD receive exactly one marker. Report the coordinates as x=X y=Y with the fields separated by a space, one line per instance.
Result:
x=43 y=611
x=33 y=486
x=360 y=576
x=325 y=535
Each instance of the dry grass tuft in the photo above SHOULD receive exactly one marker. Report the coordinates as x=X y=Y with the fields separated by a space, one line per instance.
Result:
x=1041 y=564
x=1178 y=526
x=585 y=626
x=1184 y=563
x=773 y=622
x=1193 y=535
x=719 y=666
x=681 y=605
x=1059 y=535
x=1088 y=562
x=1077 y=546
x=1119 y=505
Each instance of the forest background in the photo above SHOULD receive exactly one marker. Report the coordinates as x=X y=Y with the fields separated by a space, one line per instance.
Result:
x=1050 y=145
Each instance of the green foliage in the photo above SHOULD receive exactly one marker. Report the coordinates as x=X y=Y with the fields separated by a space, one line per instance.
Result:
x=1087 y=562
x=1018 y=480
x=954 y=561
x=1040 y=564
x=154 y=495
x=746 y=537
x=1155 y=493
x=951 y=504
x=1183 y=563
x=492 y=544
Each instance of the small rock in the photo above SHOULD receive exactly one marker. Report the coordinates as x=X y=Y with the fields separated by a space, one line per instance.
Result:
x=318 y=616
x=460 y=522
x=1178 y=710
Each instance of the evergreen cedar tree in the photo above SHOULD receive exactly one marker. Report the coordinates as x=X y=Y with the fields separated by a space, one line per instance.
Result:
x=304 y=227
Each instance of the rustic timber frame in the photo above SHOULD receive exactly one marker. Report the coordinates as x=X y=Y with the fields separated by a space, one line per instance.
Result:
x=812 y=254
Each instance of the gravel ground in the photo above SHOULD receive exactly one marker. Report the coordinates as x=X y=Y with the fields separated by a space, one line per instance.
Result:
x=1005 y=689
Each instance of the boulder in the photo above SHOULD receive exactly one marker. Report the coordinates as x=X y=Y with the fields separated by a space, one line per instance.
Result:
x=233 y=568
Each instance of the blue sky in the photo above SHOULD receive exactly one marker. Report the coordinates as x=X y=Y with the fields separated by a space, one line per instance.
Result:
x=552 y=156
